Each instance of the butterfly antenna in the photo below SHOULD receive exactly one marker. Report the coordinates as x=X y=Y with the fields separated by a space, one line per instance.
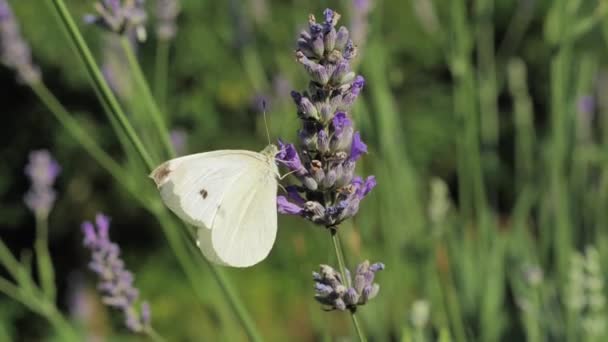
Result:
x=265 y=121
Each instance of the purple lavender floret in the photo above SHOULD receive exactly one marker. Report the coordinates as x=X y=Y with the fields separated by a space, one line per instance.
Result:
x=115 y=281
x=120 y=16
x=42 y=170
x=166 y=15
x=15 y=53
x=336 y=294
x=324 y=160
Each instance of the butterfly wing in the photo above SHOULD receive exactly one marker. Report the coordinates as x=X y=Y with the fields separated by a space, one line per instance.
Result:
x=246 y=223
x=194 y=186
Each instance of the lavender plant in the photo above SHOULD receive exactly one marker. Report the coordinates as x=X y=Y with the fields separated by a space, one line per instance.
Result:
x=42 y=170
x=325 y=158
x=166 y=14
x=115 y=281
x=120 y=16
x=14 y=51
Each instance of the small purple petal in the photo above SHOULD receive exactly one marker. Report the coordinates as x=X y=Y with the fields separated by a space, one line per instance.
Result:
x=294 y=195
x=288 y=208
x=288 y=156
x=103 y=226
x=357 y=148
x=89 y=233
x=146 y=313
x=378 y=266
x=340 y=122
x=357 y=85
x=370 y=183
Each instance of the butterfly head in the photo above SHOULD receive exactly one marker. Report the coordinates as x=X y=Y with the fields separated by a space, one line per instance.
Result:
x=270 y=151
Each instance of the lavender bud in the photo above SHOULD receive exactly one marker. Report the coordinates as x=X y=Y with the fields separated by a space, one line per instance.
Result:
x=350 y=50
x=310 y=183
x=167 y=12
x=309 y=111
x=370 y=292
x=42 y=170
x=316 y=171
x=341 y=38
x=14 y=51
x=339 y=304
x=342 y=73
x=308 y=140
x=318 y=47
x=322 y=141
x=325 y=112
x=330 y=40
x=316 y=210
x=330 y=178
x=351 y=297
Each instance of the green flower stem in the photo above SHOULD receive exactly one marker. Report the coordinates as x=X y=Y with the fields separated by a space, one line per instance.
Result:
x=149 y=102
x=30 y=296
x=161 y=72
x=154 y=335
x=46 y=271
x=235 y=302
x=99 y=84
x=185 y=259
x=340 y=256
x=61 y=325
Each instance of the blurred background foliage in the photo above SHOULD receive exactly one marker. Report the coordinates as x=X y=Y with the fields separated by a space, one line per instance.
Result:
x=487 y=128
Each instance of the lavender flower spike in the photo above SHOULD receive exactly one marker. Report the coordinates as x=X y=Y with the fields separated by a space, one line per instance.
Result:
x=14 y=51
x=166 y=14
x=115 y=282
x=329 y=147
x=42 y=170
x=120 y=16
x=337 y=294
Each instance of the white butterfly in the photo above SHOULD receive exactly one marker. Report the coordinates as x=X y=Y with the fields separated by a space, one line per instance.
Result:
x=230 y=195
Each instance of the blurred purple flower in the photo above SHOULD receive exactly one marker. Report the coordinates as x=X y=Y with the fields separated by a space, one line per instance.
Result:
x=42 y=170
x=586 y=109
x=359 y=24
x=179 y=140
x=166 y=14
x=337 y=294
x=120 y=16
x=115 y=68
x=586 y=104
x=14 y=51
x=115 y=281
x=324 y=161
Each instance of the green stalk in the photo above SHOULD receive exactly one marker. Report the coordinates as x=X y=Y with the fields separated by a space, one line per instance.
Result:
x=154 y=335
x=30 y=296
x=149 y=102
x=161 y=73
x=340 y=256
x=560 y=130
x=524 y=125
x=235 y=302
x=99 y=84
x=43 y=258
x=178 y=238
x=484 y=10
x=61 y=325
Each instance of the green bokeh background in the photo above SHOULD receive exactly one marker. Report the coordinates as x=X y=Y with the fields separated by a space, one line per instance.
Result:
x=441 y=75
